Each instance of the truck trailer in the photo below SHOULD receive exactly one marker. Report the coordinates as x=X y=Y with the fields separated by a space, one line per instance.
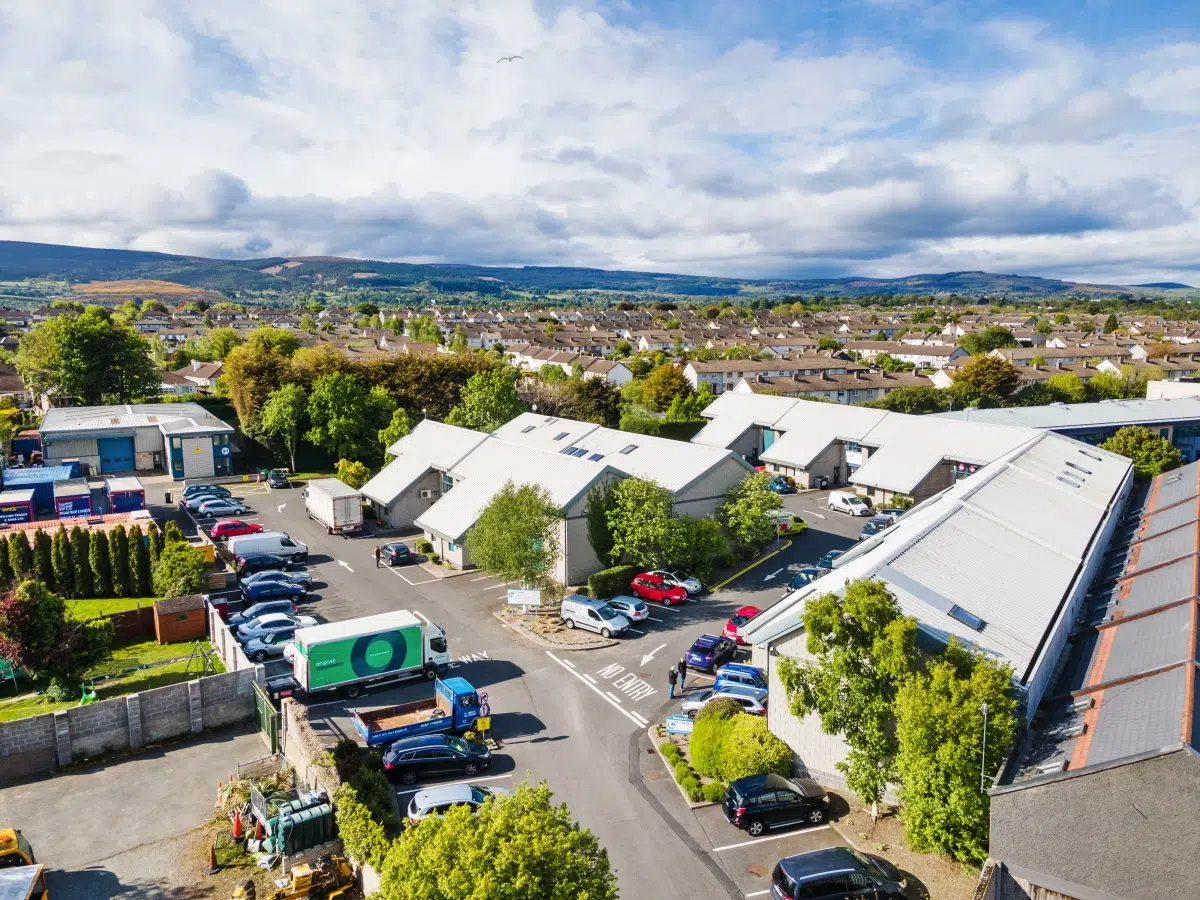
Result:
x=453 y=707
x=334 y=504
x=358 y=652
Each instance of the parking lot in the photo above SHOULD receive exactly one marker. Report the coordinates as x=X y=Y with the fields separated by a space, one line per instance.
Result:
x=563 y=717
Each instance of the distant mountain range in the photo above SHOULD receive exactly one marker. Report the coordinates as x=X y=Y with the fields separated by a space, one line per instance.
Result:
x=20 y=260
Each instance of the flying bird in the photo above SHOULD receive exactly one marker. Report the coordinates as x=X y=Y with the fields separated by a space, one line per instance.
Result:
x=508 y=59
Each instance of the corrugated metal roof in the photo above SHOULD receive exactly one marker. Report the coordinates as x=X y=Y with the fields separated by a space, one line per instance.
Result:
x=1106 y=413
x=429 y=445
x=40 y=475
x=1150 y=590
x=176 y=417
x=733 y=412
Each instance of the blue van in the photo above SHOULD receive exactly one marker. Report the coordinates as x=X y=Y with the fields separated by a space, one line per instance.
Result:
x=741 y=675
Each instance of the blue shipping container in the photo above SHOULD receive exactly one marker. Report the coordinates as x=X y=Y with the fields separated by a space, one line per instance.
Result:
x=73 y=498
x=40 y=480
x=124 y=494
x=16 y=506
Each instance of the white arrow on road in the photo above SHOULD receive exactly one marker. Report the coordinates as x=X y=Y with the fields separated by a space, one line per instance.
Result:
x=345 y=565
x=817 y=514
x=649 y=656
x=773 y=574
x=280 y=507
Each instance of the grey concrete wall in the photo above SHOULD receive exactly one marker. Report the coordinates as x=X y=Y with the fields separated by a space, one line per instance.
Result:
x=702 y=498
x=408 y=507
x=42 y=744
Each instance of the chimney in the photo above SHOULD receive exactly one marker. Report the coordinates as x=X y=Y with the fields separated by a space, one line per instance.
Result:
x=196 y=364
x=857 y=375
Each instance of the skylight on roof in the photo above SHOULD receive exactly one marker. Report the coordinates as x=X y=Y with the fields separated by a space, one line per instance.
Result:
x=527 y=429
x=969 y=619
x=629 y=449
x=595 y=456
x=560 y=435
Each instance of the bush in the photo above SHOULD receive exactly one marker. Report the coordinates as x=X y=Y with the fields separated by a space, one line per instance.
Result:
x=362 y=835
x=435 y=559
x=691 y=787
x=709 y=738
x=375 y=794
x=720 y=708
x=682 y=771
x=609 y=582
x=672 y=753
x=422 y=546
x=714 y=792
x=751 y=749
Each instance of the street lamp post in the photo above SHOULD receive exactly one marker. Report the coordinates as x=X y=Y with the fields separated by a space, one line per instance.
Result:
x=983 y=759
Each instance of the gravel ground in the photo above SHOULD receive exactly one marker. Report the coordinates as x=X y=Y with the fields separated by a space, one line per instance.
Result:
x=936 y=877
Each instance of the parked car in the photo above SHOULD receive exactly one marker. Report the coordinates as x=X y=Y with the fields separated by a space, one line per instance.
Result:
x=193 y=501
x=732 y=630
x=631 y=608
x=289 y=652
x=652 y=587
x=258 y=562
x=266 y=587
x=836 y=872
x=780 y=486
x=851 y=504
x=411 y=758
x=435 y=801
x=301 y=578
x=807 y=575
x=875 y=526
x=261 y=648
x=277 y=478
x=762 y=802
x=709 y=651
x=395 y=553
x=213 y=508
x=892 y=512
x=216 y=490
x=271 y=622
x=752 y=701
x=826 y=562
x=593 y=615
x=741 y=675
x=679 y=579
x=266 y=608
x=222 y=531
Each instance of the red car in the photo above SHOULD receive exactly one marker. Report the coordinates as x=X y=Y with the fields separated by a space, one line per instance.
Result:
x=732 y=630
x=652 y=587
x=232 y=528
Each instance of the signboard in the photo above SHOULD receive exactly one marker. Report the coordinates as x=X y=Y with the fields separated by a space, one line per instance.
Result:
x=483 y=723
x=679 y=724
x=524 y=597
x=69 y=507
x=15 y=512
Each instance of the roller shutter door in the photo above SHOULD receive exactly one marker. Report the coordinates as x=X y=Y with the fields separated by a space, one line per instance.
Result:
x=116 y=454
x=198 y=458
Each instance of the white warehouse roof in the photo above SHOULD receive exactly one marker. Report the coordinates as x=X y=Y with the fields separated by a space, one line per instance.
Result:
x=1106 y=413
x=429 y=445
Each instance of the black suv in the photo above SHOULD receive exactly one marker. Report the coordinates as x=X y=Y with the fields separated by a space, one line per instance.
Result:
x=410 y=758
x=836 y=873
x=772 y=801
x=258 y=562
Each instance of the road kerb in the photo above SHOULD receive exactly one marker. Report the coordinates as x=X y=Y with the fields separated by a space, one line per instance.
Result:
x=758 y=562
x=671 y=770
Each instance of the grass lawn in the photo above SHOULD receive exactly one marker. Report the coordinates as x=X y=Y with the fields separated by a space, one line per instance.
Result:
x=106 y=606
x=122 y=658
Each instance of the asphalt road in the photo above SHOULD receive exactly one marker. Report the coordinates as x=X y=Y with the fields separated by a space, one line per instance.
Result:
x=566 y=717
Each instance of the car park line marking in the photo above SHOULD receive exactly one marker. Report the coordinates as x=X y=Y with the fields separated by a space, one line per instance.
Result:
x=774 y=837
x=668 y=607
x=635 y=631
x=601 y=694
x=587 y=676
x=816 y=515
x=345 y=565
x=758 y=893
x=496 y=587
x=569 y=663
x=401 y=793
x=406 y=581
x=645 y=722
x=787 y=542
x=481 y=578
x=613 y=696
x=652 y=619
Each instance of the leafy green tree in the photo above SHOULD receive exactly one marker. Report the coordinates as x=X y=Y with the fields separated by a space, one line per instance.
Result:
x=181 y=570
x=488 y=401
x=62 y=563
x=101 y=565
x=458 y=339
x=639 y=420
x=939 y=731
x=154 y=540
x=863 y=649
x=521 y=847
x=352 y=472
x=551 y=374
x=828 y=343
x=1110 y=386
x=989 y=377
x=172 y=534
x=1044 y=327
x=743 y=513
x=89 y=356
x=345 y=416
x=43 y=559
x=251 y=374
x=1152 y=455
x=643 y=524
x=81 y=548
x=687 y=408
x=703 y=542
x=517 y=538
x=118 y=562
x=1062 y=319
x=396 y=429
x=139 y=563
x=6 y=572
x=591 y=400
x=987 y=340
x=599 y=532
x=38 y=635
x=425 y=330
x=20 y=555
x=308 y=324
x=283 y=417
x=1111 y=324
x=664 y=384
x=912 y=400
x=221 y=342
x=1068 y=386
x=888 y=363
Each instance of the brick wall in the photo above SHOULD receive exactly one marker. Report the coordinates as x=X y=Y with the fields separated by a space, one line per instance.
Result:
x=42 y=744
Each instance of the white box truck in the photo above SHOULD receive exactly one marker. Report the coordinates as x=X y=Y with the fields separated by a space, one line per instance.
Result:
x=334 y=504
x=356 y=652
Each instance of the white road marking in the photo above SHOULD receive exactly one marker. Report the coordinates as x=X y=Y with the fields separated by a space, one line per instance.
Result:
x=496 y=587
x=645 y=722
x=587 y=676
x=628 y=682
x=482 y=578
x=599 y=693
x=649 y=656
x=281 y=507
x=634 y=631
x=816 y=515
x=774 y=837
x=652 y=619
x=345 y=565
x=759 y=893
x=569 y=663
x=413 y=790
x=406 y=581
x=667 y=607
x=772 y=575
x=613 y=696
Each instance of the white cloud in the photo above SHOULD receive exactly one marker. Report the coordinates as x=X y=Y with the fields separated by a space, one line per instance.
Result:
x=255 y=128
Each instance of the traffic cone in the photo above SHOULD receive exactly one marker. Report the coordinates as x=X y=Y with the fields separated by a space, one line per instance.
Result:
x=213 y=868
x=218 y=804
x=238 y=832
x=259 y=831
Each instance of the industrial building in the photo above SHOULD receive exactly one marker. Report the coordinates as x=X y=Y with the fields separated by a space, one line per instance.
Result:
x=884 y=455
x=183 y=439
x=443 y=477
x=1001 y=561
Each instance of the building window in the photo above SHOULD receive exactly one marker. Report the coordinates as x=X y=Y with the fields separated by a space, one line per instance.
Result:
x=852 y=447
x=447 y=483
x=450 y=546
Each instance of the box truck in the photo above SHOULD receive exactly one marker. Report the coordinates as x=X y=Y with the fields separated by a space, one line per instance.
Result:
x=352 y=654
x=453 y=707
x=334 y=504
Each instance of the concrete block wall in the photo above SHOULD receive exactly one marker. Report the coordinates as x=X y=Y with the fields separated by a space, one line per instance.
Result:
x=42 y=744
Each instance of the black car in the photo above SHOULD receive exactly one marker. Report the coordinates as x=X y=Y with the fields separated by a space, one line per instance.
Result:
x=257 y=562
x=278 y=479
x=835 y=874
x=395 y=554
x=763 y=802
x=411 y=758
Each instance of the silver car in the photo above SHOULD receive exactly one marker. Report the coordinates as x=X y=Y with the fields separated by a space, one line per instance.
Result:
x=680 y=579
x=752 y=701
x=303 y=579
x=435 y=801
x=264 y=625
x=219 y=507
x=632 y=608
x=273 y=644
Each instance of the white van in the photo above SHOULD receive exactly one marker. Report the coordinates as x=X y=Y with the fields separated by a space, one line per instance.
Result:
x=592 y=614
x=269 y=542
x=851 y=504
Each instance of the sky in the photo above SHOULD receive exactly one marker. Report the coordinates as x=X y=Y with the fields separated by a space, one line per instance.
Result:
x=777 y=138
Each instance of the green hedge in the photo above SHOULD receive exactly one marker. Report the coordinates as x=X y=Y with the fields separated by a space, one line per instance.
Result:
x=733 y=748
x=714 y=791
x=610 y=582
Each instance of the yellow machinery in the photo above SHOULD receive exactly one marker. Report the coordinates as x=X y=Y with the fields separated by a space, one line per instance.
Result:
x=329 y=879
x=14 y=849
